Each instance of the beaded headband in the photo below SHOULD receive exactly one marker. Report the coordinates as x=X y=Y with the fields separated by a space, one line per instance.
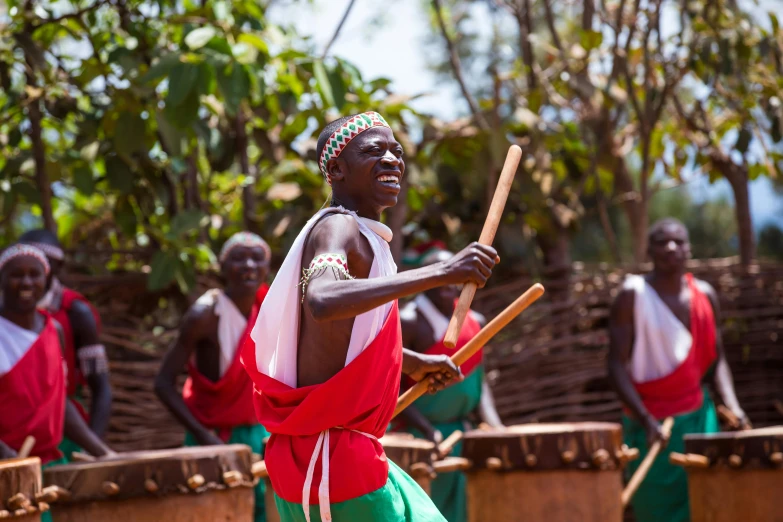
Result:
x=345 y=133
x=21 y=250
x=51 y=251
x=246 y=239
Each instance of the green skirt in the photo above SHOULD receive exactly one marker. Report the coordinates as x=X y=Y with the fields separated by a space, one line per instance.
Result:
x=663 y=495
x=400 y=500
x=253 y=436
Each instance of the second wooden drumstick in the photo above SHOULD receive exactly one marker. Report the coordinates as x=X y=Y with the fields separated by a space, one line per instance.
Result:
x=486 y=238
x=647 y=463
x=475 y=344
x=27 y=447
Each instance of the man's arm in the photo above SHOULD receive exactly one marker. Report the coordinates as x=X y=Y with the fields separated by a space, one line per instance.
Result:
x=621 y=335
x=330 y=299
x=415 y=419
x=85 y=333
x=192 y=330
x=77 y=430
x=723 y=380
x=486 y=409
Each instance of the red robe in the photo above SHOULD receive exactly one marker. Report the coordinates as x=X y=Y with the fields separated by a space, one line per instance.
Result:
x=681 y=391
x=362 y=397
x=227 y=402
x=33 y=397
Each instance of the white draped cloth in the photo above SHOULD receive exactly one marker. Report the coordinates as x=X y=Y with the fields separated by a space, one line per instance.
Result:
x=15 y=341
x=661 y=341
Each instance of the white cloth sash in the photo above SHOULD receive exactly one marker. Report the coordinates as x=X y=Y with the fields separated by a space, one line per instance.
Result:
x=15 y=341
x=276 y=332
x=661 y=341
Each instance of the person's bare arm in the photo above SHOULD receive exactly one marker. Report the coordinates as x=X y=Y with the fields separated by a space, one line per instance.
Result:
x=85 y=332
x=77 y=430
x=192 y=330
x=621 y=336
x=415 y=419
x=487 y=411
x=722 y=378
x=329 y=299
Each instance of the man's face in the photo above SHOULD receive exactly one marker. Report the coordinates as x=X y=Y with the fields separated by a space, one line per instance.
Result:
x=23 y=283
x=245 y=268
x=369 y=170
x=670 y=248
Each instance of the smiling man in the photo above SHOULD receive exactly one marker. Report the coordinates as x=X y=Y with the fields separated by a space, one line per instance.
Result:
x=216 y=405
x=32 y=374
x=326 y=351
x=664 y=339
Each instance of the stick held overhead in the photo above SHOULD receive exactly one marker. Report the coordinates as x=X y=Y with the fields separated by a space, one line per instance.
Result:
x=487 y=237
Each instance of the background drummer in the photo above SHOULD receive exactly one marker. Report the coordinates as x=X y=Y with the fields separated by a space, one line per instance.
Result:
x=664 y=339
x=424 y=322
x=216 y=405
x=85 y=356
x=32 y=376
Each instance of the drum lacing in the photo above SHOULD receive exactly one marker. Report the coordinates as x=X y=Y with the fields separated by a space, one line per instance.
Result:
x=323 y=488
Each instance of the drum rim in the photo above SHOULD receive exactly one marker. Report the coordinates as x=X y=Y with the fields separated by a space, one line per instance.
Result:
x=769 y=431
x=547 y=428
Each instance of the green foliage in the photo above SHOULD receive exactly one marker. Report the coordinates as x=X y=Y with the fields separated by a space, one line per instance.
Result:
x=156 y=120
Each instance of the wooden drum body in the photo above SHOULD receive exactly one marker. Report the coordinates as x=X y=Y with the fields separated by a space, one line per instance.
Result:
x=21 y=498
x=570 y=472
x=414 y=456
x=735 y=476
x=199 y=484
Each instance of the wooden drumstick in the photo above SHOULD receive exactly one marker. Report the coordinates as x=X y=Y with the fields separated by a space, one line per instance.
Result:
x=27 y=447
x=486 y=238
x=445 y=447
x=647 y=463
x=475 y=344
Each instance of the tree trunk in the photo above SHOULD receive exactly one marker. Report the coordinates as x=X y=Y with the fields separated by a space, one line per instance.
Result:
x=739 y=185
x=249 y=191
x=39 y=155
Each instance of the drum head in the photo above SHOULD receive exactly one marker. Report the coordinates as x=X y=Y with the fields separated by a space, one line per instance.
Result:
x=144 y=473
x=588 y=446
x=751 y=449
x=405 y=450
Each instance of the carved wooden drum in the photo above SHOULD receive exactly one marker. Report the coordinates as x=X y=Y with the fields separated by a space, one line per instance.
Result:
x=570 y=472
x=416 y=457
x=735 y=476
x=209 y=483
x=21 y=498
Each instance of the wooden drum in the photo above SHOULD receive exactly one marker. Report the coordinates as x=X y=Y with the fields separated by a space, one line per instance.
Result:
x=209 y=483
x=734 y=476
x=569 y=472
x=415 y=457
x=21 y=498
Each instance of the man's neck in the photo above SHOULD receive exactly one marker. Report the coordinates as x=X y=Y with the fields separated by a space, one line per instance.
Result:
x=24 y=320
x=347 y=204
x=243 y=299
x=668 y=282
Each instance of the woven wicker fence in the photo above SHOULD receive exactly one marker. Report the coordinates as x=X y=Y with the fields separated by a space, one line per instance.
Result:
x=549 y=365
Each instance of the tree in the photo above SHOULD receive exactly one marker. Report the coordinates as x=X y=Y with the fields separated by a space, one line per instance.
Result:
x=163 y=127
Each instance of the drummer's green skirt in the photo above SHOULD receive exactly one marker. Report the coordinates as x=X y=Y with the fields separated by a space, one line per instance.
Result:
x=400 y=500
x=663 y=495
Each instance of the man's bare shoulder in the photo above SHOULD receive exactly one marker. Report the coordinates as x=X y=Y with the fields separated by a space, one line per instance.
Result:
x=705 y=287
x=623 y=303
x=334 y=231
x=200 y=319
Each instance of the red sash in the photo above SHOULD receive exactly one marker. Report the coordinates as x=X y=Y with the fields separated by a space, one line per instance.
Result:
x=33 y=397
x=361 y=397
x=227 y=402
x=74 y=377
x=470 y=328
x=680 y=391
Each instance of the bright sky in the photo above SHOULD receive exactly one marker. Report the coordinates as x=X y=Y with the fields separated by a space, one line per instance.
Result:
x=389 y=38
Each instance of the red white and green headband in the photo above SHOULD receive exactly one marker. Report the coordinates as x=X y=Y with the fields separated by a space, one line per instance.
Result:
x=341 y=137
x=246 y=239
x=22 y=250
x=51 y=251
